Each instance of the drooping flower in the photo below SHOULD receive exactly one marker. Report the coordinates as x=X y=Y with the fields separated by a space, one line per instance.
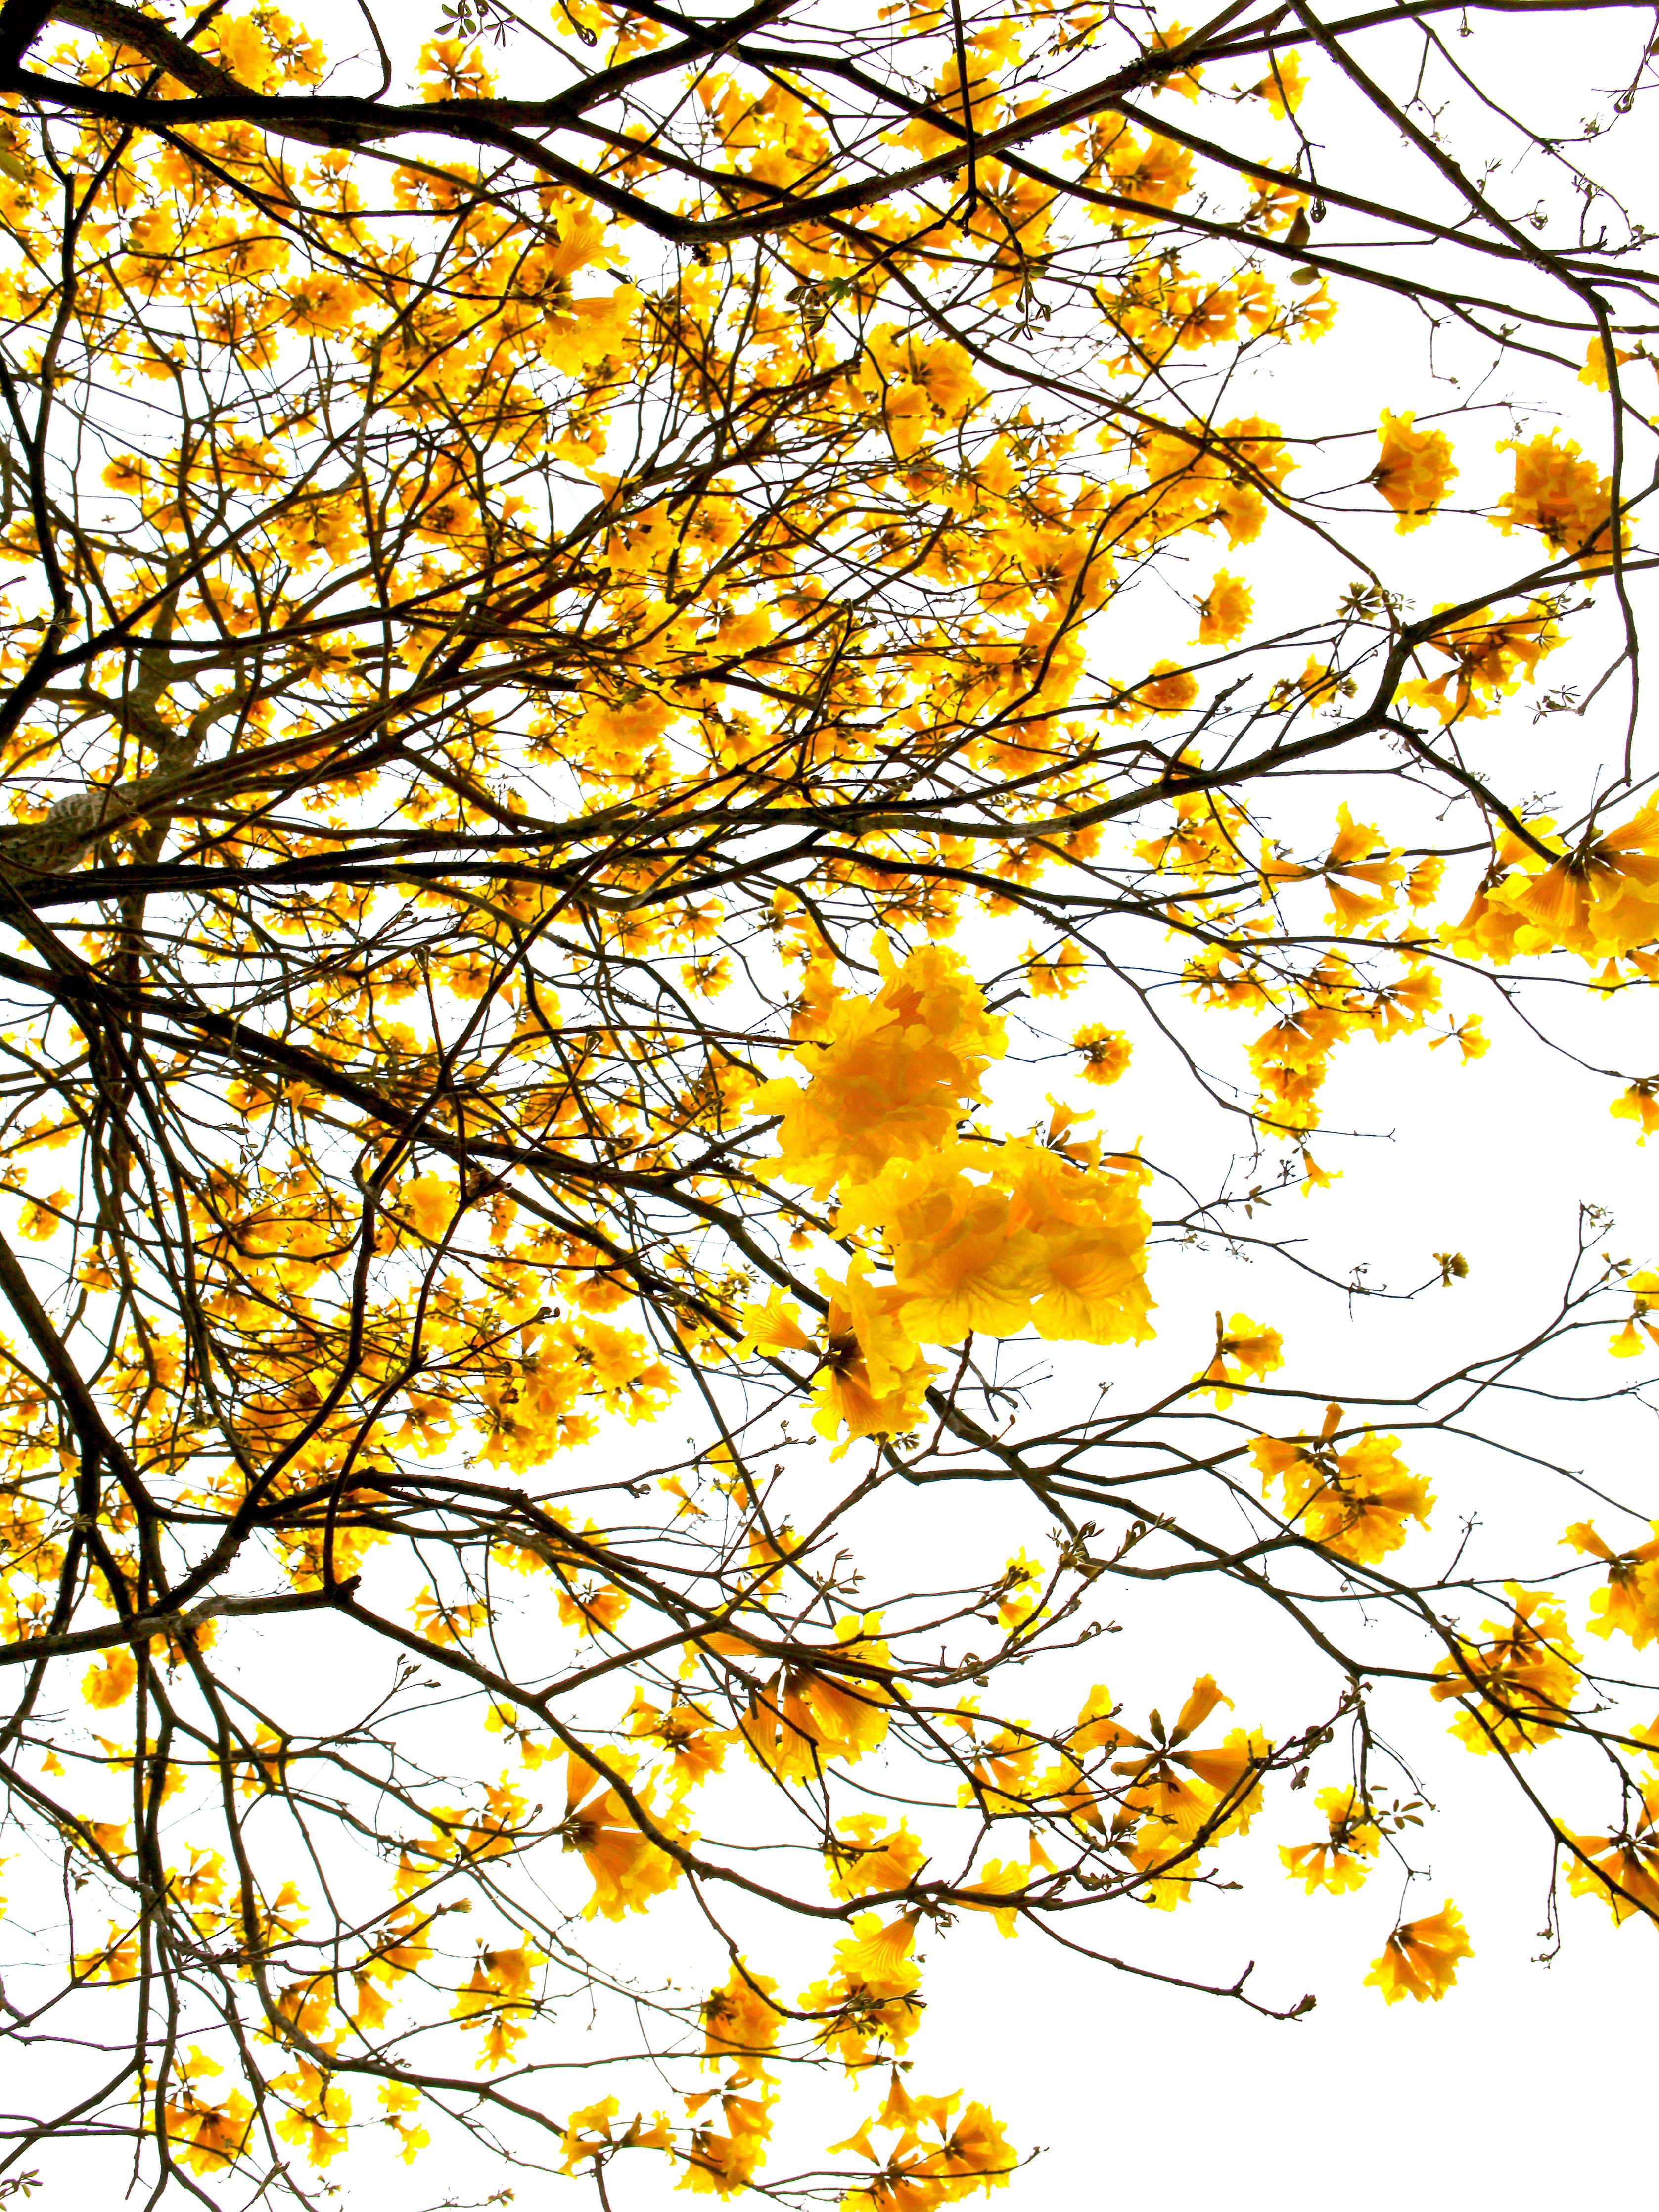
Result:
x=1414 y=470
x=890 y=1080
x=1355 y=1503
x=1106 y=1052
x=629 y=1868
x=1628 y=1602
x=738 y=2020
x=1517 y=1687
x=868 y=1854
x=1622 y=1869
x=1245 y=1351
x=1225 y=611
x=1564 y=497
x=1339 y=1861
x=1421 y=1958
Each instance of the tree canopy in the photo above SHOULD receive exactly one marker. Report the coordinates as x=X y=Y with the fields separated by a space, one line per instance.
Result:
x=642 y=652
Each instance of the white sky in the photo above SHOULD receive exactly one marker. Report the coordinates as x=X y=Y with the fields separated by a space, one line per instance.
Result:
x=1527 y=2079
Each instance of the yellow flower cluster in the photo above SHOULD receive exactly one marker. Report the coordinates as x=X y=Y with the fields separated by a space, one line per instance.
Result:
x=1414 y=471
x=1421 y=1959
x=1516 y=1688
x=1601 y=900
x=1491 y=656
x=1339 y=1860
x=1564 y=498
x=1355 y=1503
x=978 y=1236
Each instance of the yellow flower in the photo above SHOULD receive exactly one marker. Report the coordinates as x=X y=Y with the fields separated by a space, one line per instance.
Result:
x=1566 y=499
x=723 y=2162
x=430 y=1202
x=976 y=2153
x=1225 y=611
x=1055 y=978
x=1088 y=1275
x=1318 y=685
x=41 y=1217
x=628 y=1869
x=1106 y=1052
x=1178 y=1793
x=1253 y=1349
x=1601 y=900
x=868 y=1996
x=323 y=303
x=450 y=70
x=1489 y=658
x=1421 y=1959
x=707 y=976
x=1338 y=1862
x=1359 y=857
x=498 y=1998
x=1282 y=85
x=1622 y=1869
x=1355 y=1503
x=890 y=1080
x=805 y=1716
x=872 y=1379
x=447 y=1624
x=1169 y=690
x=1594 y=371
x=961 y=1256
x=111 y=1683
x=317 y=2111
x=1628 y=1603
x=402 y=2100
x=244 y=51
x=1517 y=1687
x=738 y=2022
x=1637 y=1104
x=206 y=2135
x=117 y=1963
x=1414 y=470
x=696 y=1748
x=866 y=1855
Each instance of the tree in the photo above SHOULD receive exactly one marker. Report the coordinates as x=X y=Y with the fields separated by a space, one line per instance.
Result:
x=588 y=672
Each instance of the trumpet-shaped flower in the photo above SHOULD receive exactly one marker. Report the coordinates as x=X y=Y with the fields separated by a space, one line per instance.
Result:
x=1421 y=1958
x=1355 y=1503
x=1339 y=1860
x=1414 y=469
x=1517 y=1687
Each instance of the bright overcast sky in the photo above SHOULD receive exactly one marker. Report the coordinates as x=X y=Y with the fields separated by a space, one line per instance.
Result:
x=1139 y=2090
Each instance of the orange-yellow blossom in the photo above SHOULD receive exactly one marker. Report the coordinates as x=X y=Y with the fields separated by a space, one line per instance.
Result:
x=868 y=1997
x=1638 y=1105
x=1337 y=1861
x=1491 y=657
x=1041 y=1242
x=1414 y=470
x=872 y=1378
x=1564 y=497
x=738 y=2021
x=1627 y=1604
x=1421 y=1958
x=867 y=1854
x=1243 y=1349
x=1518 y=1687
x=628 y=1869
x=1225 y=611
x=890 y=1080
x=1355 y=1503
x=805 y=1716
x=1106 y=1052
x=1622 y=1869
